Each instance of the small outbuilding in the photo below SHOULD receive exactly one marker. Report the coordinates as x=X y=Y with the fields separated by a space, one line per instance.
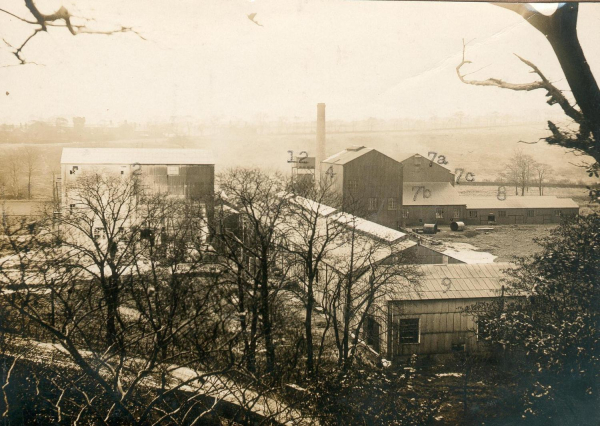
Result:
x=429 y=319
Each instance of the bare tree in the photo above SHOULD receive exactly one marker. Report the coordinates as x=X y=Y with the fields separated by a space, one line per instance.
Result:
x=560 y=29
x=13 y=168
x=364 y=270
x=310 y=238
x=541 y=171
x=519 y=170
x=31 y=160
x=61 y=18
x=254 y=252
x=146 y=288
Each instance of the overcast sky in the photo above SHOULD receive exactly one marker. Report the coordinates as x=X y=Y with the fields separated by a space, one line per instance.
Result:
x=207 y=58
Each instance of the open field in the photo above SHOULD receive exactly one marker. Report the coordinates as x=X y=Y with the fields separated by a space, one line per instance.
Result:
x=482 y=151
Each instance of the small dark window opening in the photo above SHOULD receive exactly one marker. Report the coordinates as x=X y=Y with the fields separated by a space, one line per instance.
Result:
x=409 y=330
x=372 y=332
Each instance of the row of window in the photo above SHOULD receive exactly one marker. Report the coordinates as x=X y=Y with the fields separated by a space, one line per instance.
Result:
x=502 y=213
x=409 y=331
x=392 y=204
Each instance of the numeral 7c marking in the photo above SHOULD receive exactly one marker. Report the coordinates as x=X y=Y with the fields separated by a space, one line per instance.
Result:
x=469 y=177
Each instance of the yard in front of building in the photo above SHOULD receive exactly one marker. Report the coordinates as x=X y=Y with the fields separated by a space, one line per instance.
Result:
x=503 y=241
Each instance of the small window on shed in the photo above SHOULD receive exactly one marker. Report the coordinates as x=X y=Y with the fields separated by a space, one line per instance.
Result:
x=530 y=213
x=456 y=213
x=473 y=213
x=409 y=330
x=173 y=170
x=405 y=213
x=417 y=161
x=501 y=213
x=557 y=213
x=439 y=213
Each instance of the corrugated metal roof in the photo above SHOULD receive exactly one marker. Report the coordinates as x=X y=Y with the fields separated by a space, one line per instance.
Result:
x=136 y=155
x=433 y=194
x=347 y=155
x=516 y=202
x=441 y=282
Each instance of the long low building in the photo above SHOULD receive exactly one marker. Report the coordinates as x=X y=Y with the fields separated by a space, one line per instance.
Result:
x=517 y=210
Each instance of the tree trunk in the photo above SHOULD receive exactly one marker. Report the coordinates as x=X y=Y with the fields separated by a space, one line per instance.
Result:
x=112 y=306
x=265 y=312
x=308 y=326
x=562 y=35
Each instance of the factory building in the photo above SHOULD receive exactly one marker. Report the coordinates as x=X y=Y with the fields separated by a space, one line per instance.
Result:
x=415 y=191
x=369 y=182
x=517 y=210
x=178 y=173
x=185 y=174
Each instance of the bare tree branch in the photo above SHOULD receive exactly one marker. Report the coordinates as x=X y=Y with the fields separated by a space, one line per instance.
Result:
x=45 y=21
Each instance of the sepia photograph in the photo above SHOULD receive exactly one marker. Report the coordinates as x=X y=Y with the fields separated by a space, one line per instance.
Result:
x=299 y=213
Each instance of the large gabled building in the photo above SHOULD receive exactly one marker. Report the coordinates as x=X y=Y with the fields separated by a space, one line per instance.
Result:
x=369 y=182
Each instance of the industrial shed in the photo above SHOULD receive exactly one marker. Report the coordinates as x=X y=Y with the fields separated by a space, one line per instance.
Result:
x=431 y=202
x=516 y=210
x=428 y=320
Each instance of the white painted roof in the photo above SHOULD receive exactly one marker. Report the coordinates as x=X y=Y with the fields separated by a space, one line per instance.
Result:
x=430 y=194
x=516 y=202
x=136 y=155
x=347 y=155
x=456 y=281
x=370 y=228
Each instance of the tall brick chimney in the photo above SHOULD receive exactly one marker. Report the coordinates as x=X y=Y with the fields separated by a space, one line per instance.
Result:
x=320 y=140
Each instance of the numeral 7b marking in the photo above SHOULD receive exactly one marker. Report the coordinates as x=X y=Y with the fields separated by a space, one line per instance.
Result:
x=426 y=192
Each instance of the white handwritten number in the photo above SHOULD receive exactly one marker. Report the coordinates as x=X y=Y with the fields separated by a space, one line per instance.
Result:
x=501 y=193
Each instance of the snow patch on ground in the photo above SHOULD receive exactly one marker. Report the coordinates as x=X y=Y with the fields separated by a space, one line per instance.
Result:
x=449 y=375
x=467 y=253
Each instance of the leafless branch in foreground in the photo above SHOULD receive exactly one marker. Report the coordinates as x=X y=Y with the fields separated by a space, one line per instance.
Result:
x=64 y=18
